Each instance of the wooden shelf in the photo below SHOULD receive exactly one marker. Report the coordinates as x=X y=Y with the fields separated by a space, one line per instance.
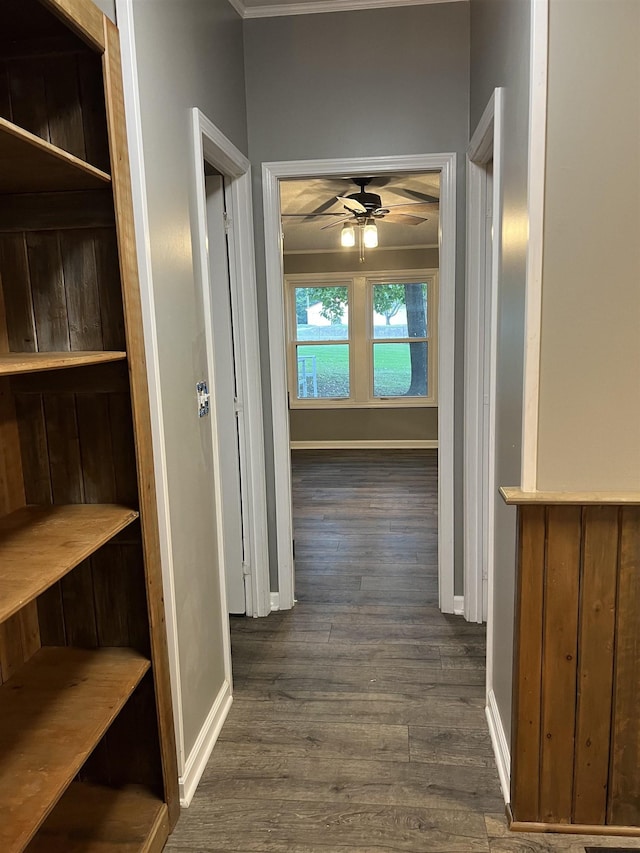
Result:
x=53 y=713
x=40 y=544
x=513 y=495
x=12 y=363
x=29 y=164
x=94 y=819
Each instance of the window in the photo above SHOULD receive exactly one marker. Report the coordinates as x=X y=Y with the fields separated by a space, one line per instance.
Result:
x=362 y=341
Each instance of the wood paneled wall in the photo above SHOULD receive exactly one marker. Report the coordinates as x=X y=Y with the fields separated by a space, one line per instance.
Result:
x=576 y=721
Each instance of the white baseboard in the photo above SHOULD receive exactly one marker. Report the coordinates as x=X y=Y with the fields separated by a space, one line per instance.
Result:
x=206 y=740
x=397 y=444
x=275 y=601
x=500 y=745
x=458 y=605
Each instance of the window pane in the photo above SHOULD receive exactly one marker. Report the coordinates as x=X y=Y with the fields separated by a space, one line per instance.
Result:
x=323 y=371
x=400 y=370
x=322 y=313
x=400 y=311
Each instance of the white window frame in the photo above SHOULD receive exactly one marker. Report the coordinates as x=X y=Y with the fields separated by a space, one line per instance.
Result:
x=361 y=338
x=293 y=343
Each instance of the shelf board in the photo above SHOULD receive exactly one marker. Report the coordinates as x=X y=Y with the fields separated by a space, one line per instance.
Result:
x=53 y=713
x=95 y=819
x=40 y=544
x=12 y=363
x=29 y=164
x=514 y=495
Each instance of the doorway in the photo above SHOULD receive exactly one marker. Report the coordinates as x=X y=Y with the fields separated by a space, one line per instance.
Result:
x=227 y=400
x=223 y=243
x=273 y=174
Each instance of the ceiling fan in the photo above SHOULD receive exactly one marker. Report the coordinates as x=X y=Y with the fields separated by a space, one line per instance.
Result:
x=366 y=207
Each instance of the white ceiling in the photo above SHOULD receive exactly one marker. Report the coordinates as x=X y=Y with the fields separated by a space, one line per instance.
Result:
x=269 y=8
x=306 y=195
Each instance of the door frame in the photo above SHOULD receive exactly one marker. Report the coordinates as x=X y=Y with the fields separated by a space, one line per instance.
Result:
x=479 y=450
x=210 y=144
x=272 y=174
x=480 y=482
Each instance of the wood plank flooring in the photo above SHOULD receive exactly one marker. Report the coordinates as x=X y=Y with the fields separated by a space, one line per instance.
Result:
x=358 y=718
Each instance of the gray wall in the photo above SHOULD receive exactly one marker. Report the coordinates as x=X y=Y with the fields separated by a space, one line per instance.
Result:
x=108 y=7
x=590 y=349
x=381 y=259
x=189 y=54
x=366 y=83
x=363 y=424
x=500 y=51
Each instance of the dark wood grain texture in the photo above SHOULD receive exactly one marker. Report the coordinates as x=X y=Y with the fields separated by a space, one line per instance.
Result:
x=595 y=663
x=559 y=662
x=527 y=692
x=624 y=783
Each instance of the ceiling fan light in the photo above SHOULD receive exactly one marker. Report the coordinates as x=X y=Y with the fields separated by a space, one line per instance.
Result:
x=370 y=235
x=348 y=236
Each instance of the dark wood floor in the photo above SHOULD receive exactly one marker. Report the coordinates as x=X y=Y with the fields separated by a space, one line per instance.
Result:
x=358 y=719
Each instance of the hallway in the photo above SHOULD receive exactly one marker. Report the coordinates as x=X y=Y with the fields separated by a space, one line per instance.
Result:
x=358 y=720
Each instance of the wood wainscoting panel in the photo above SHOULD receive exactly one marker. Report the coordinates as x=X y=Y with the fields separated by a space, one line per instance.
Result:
x=595 y=663
x=525 y=774
x=559 y=653
x=576 y=690
x=624 y=783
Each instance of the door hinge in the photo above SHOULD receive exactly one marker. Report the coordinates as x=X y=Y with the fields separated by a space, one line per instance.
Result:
x=228 y=222
x=246 y=569
x=204 y=399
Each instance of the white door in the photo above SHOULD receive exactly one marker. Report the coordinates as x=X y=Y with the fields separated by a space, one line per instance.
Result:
x=488 y=424
x=224 y=397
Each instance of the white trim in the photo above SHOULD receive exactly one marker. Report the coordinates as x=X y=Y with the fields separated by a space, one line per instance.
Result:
x=500 y=745
x=310 y=8
x=361 y=337
x=373 y=444
x=275 y=601
x=124 y=11
x=272 y=173
x=479 y=481
x=203 y=747
x=535 y=204
x=416 y=246
x=211 y=144
x=458 y=605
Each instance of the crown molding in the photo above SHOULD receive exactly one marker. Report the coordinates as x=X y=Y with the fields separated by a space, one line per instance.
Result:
x=316 y=6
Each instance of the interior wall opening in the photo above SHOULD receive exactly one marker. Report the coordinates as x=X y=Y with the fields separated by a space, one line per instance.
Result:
x=360 y=297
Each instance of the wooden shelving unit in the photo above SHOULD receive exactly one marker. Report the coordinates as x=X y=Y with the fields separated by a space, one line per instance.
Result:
x=12 y=363
x=94 y=819
x=52 y=715
x=29 y=164
x=87 y=749
x=41 y=544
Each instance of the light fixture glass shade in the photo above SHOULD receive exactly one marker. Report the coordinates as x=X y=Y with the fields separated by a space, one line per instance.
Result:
x=348 y=236
x=370 y=235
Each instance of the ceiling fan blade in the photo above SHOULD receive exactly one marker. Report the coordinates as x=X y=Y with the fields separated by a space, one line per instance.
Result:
x=403 y=219
x=325 y=205
x=338 y=222
x=414 y=194
x=413 y=207
x=310 y=215
x=352 y=204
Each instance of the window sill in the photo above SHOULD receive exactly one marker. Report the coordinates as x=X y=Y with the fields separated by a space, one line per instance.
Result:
x=392 y=403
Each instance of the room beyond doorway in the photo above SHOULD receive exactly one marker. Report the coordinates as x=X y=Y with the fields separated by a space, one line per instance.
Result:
x=366 y=528
x=273 y=174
